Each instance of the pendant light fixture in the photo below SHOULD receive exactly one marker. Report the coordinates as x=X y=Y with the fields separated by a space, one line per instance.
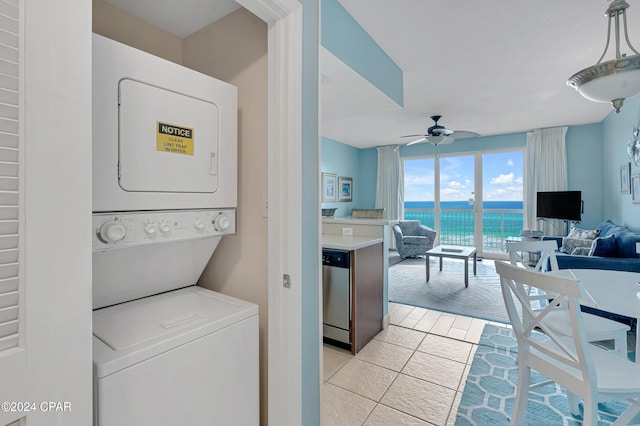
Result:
x=617 y=79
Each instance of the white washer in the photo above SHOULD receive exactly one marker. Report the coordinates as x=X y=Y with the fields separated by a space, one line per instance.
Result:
x=186 y=357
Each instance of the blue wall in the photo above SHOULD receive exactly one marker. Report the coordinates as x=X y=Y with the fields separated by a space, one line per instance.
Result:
x=310 y=327
x=584 y=169
x=367 y=176
x=584 y=157
x=350 y=43
x=617 y=130
x=343 y=160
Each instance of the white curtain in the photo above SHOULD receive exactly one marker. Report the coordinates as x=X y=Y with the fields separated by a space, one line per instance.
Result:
x=546 y=170
x=390 y=184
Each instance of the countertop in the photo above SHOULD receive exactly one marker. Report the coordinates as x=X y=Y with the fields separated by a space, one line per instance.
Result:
x=347 y=242
x=349 y=221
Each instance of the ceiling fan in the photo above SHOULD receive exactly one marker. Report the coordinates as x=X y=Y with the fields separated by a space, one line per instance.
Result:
x=440 y=135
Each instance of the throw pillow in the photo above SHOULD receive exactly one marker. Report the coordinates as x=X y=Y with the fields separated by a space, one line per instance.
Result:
x=626 y=244
x=583 y=233
x=607 y=228
x=570 y=244
x=604 y=247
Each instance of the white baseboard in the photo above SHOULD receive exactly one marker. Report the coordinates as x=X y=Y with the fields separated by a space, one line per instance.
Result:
x=385 y=322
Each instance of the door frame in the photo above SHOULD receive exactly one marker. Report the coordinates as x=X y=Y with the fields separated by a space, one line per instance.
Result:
x=284 y=21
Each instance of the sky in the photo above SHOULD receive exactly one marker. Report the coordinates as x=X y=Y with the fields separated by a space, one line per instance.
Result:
x=502 y=178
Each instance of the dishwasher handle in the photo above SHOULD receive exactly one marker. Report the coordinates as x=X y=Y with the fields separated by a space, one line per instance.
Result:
x=336 y=258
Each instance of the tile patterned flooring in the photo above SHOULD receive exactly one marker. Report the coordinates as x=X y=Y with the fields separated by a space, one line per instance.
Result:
x=412 y=373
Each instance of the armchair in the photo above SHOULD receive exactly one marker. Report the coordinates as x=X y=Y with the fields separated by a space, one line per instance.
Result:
x=412 y=238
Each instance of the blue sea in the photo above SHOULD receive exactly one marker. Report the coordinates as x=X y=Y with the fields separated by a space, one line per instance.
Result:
x=500 y=220
x=464 y=205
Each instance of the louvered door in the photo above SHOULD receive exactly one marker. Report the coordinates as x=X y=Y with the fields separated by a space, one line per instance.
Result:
x=12 y=306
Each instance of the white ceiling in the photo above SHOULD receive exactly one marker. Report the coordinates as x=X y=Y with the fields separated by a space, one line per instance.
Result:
x=491 y=66
x=178 y=17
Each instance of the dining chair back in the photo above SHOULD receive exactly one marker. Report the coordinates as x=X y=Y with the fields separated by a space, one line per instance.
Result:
x=584 y=370
x=597 y=328
x=546 y=250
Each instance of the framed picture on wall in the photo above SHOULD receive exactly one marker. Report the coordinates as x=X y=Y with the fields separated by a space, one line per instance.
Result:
x=635 y=188
x=345 y=188
x=329 y=188
x=625 y=173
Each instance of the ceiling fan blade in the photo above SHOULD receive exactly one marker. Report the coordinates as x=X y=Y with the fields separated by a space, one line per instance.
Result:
x=413 y=136
x=423 y=139
x=461 y=134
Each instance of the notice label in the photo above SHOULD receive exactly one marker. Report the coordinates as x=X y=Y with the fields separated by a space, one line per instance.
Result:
x=174 y=139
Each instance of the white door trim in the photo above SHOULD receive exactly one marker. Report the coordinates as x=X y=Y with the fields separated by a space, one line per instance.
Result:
x=284 y=19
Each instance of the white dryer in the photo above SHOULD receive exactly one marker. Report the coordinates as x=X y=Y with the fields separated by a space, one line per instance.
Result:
x=165 y=352
x=164 y=136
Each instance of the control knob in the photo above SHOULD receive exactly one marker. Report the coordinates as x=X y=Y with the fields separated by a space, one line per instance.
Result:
x=150 y=229
x=165 y=228
x=112 y=231
x=222 y=222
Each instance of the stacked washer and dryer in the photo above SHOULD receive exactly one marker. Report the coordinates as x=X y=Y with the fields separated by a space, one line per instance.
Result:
x=165 y=351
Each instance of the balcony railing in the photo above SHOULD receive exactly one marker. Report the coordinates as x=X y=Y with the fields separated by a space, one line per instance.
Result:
x=456 y=226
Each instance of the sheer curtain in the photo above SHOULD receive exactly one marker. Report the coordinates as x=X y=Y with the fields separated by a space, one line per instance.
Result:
x=390 y=184
x=546 y=171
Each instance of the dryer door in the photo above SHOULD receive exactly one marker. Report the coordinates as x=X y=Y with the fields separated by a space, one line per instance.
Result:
x=168 y=142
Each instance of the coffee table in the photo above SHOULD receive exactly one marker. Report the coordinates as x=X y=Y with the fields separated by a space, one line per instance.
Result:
x=454 y=252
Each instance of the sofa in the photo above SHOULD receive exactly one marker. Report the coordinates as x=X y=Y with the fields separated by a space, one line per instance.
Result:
x=613 y=248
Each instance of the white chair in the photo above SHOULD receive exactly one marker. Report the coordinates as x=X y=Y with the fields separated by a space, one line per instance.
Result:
x=597 y=328
x=584 y=370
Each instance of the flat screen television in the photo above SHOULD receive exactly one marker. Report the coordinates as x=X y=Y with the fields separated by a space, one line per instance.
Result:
x=565 y=205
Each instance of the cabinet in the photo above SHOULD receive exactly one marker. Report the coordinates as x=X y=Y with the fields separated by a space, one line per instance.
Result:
x=366 y=270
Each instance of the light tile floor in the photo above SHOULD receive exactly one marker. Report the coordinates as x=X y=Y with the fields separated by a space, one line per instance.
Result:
x=412 y=373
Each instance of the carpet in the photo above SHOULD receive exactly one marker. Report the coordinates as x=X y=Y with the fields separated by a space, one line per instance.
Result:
x=489 y=392
x=445 y=290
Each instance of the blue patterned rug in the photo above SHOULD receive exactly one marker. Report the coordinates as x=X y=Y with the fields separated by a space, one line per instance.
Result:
x=489 y=392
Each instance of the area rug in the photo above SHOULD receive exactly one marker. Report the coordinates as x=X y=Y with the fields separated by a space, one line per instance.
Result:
x=489 y=392
x=445 y=290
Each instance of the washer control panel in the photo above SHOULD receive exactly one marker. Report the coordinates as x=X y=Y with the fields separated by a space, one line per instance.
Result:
x=118 y=230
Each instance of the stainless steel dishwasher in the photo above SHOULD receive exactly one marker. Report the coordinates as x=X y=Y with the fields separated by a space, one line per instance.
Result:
x=336 y=296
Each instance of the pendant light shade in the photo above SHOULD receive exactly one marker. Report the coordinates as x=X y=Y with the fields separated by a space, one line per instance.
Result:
x=614 y=80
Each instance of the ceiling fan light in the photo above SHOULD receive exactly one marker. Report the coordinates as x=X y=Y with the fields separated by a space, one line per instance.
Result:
x=439 y=140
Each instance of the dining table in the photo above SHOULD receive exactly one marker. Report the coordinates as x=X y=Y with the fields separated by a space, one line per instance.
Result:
x=611 y=291
x=617 y=292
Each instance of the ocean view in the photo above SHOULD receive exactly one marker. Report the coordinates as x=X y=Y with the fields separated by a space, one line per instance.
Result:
x=500 y=220
x=464 y=205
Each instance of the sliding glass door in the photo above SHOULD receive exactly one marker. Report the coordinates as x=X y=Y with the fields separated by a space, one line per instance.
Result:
x=470 y=200
x=419 y=191
x=502 y=206
x=457 y=204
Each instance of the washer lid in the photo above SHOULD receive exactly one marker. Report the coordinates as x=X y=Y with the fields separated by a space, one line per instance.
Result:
x=144 y=322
